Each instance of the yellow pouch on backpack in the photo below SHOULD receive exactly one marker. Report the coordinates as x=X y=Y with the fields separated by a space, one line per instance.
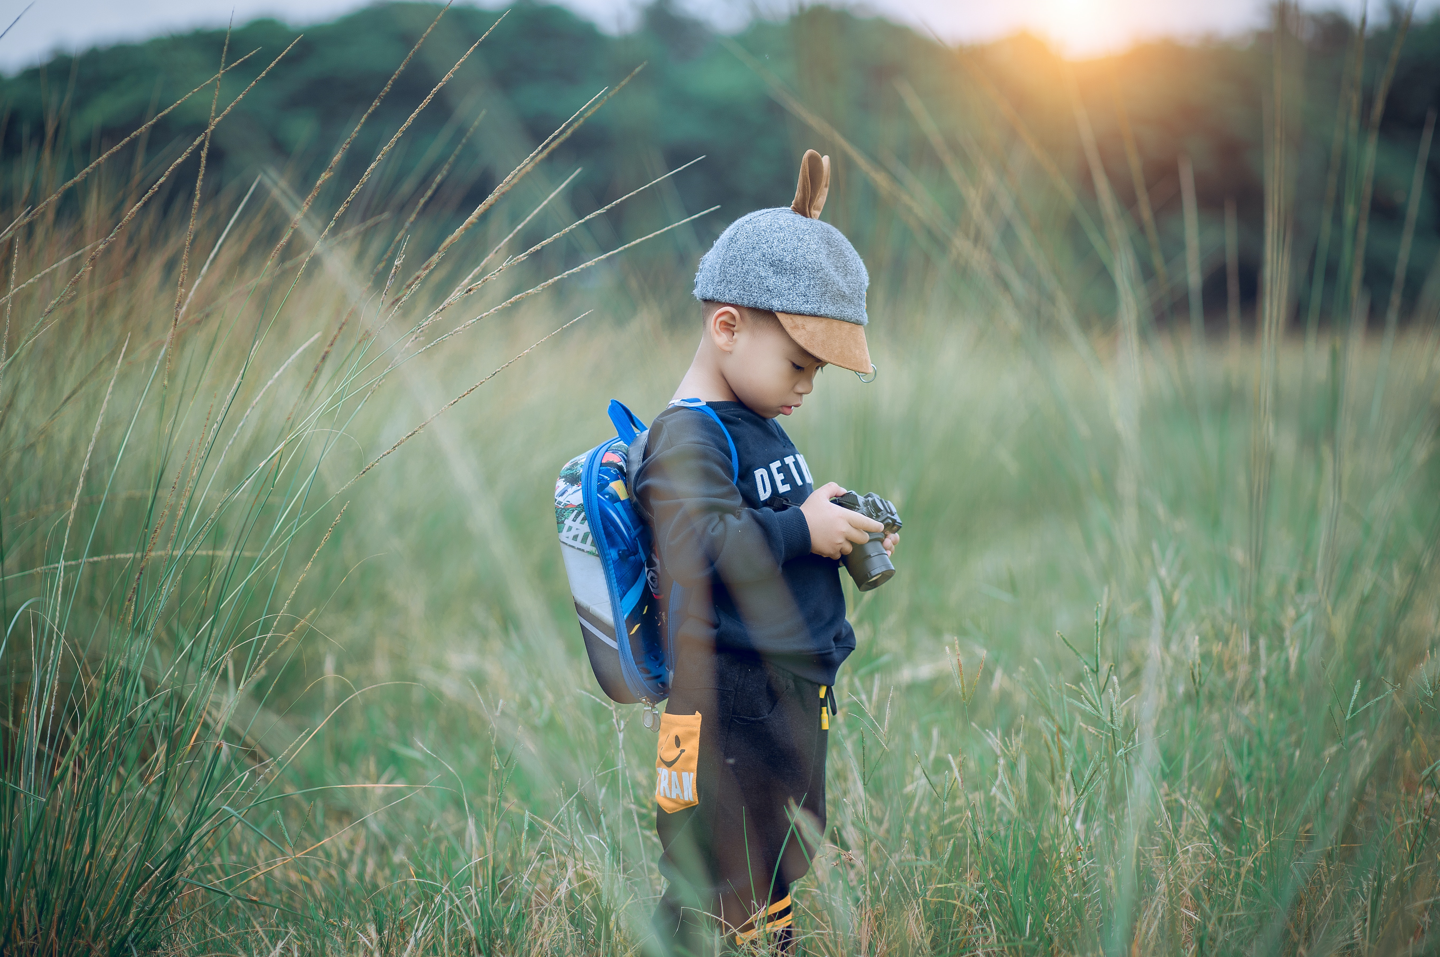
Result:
x=676 y=759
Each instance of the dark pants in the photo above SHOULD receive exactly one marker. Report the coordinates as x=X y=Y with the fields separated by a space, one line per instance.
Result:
x=760 y=782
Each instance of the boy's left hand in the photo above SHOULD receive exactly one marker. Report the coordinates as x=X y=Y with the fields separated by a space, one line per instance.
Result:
x=891 y=540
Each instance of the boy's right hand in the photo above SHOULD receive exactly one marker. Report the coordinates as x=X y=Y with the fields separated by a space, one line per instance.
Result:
x=834 y=531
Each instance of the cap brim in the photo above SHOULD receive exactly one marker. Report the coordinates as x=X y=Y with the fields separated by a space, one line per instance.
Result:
x=834 y=341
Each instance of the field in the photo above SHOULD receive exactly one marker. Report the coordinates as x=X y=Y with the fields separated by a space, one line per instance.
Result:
x=286 y=672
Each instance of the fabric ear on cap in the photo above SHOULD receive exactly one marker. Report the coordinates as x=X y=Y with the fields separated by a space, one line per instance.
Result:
x=834 y=341
x=814 y=185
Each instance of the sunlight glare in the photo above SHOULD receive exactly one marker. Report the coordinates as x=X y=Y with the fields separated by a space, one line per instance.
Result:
x=1083 y=27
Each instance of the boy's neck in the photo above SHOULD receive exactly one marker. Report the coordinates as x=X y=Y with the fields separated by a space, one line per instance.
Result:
x=704 y=380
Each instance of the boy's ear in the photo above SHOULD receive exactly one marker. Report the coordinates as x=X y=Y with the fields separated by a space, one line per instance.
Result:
x=814 y=185
x=724 y=323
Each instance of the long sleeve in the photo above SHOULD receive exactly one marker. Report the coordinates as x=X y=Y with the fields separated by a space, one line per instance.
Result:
x=700 y=522
x=741 y=550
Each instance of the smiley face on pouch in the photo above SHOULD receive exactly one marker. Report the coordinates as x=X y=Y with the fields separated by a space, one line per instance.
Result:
x=671 y=762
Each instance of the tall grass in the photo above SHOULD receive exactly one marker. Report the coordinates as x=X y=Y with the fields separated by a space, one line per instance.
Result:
x=289 y=659
x=159 y=537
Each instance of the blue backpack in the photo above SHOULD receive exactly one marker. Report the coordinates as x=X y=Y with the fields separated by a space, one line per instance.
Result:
x=610 y=560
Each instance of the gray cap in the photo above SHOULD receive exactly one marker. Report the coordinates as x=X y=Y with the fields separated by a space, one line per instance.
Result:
x=803 y=270
x=779 y=260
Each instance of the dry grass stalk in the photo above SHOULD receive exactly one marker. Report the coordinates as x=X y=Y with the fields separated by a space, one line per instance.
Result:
x=449 y=405
x=84 y=470
x=518 y=297
x=180 y=298
x=30 y=215
x=394 y=139
x=139 y=204
x=559 y=136
x=329 y=170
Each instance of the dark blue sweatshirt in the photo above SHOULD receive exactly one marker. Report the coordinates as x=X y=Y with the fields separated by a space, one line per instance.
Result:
x=741 y=550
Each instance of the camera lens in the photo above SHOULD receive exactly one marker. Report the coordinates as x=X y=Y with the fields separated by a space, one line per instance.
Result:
x=868 y=564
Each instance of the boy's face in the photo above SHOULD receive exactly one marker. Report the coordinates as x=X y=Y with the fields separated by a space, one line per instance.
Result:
x=765 y=368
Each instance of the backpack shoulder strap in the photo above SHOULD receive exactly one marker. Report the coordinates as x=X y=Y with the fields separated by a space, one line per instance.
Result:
x=627 y=423
x=699 y=406
x=635 y=455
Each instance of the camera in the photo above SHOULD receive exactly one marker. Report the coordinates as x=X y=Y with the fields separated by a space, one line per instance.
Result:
x=868 y=564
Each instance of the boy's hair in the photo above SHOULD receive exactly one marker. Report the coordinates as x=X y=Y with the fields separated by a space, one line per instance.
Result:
x=710 y=307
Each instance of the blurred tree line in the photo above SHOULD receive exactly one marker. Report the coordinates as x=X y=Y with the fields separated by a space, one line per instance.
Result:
x=1151 y=109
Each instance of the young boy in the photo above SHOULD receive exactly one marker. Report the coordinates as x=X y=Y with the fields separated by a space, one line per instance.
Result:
x=741 y=757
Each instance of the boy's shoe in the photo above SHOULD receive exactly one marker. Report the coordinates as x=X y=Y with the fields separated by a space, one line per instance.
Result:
x=768 y=935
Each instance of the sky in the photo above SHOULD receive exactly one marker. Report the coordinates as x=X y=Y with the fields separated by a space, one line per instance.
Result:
x=1078 y=28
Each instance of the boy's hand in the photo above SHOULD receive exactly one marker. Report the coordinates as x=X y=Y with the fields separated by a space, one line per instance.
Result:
x=834 y=531
x=890 y=542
